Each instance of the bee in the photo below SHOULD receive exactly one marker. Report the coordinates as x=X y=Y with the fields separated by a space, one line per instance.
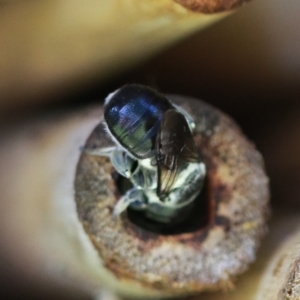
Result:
x=154 y=149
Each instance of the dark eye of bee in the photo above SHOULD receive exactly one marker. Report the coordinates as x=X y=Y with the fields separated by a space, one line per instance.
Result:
x=133 y=115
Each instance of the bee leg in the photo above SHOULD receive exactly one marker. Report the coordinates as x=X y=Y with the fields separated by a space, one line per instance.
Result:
x=192 y=186
x=122 y=162
x=99 y=151
x=196 y=180
x=134 y=198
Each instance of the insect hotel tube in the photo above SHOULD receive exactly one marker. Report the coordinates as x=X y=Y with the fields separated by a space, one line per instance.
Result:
x=68 y=230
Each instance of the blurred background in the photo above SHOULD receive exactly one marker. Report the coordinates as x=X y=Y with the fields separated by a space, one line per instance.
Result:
x=248 y=65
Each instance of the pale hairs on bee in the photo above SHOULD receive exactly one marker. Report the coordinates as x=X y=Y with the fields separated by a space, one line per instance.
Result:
x=154 y=149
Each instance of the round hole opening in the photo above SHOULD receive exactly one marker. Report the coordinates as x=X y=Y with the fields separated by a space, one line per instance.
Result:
x=197 y=218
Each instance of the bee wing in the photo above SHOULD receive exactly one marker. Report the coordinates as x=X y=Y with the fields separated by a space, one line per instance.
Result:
x=175 y=147
x=166 y=177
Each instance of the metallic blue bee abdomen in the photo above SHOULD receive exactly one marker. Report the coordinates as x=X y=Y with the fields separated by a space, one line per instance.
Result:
x=133 y=116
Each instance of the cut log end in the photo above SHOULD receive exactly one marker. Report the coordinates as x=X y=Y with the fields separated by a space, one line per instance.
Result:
x=222 y=235
x=211 y=6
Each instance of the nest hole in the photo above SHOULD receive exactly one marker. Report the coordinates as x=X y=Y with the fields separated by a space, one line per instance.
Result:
x=197 y=218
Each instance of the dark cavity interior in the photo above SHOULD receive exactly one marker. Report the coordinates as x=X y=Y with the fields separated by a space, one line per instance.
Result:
x=195 y=219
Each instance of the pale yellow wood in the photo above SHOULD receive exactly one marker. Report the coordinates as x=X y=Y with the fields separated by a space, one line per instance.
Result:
x=46 y=44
